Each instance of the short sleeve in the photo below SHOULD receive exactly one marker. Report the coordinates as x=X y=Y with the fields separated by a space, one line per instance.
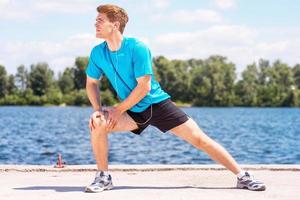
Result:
x=93 y=70
x=142 y=60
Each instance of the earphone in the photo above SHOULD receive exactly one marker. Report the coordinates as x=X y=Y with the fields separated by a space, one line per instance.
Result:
x=117 y=90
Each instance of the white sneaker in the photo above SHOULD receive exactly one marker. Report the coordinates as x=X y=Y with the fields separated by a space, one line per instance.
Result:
x=100 y=183
x=248 y=182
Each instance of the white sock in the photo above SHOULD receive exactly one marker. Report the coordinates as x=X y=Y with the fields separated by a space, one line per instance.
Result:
x=241 y=174
x=105 y=173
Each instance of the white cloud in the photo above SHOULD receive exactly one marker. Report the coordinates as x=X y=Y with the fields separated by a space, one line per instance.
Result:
x=215 y=35
x=62 y=62
x=242 y=45
x=13 y=10
x=66 y=6
x=286 y=50
x=161 y=3
x=189 y=16
x=239 y=44
x=25 y=10
x=186 y=16
x=225 y=4
x=4 y=3
x=57 y=54
x=145 y=40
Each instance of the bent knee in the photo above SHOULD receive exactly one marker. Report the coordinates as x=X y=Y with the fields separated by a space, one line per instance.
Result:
x=100 y=129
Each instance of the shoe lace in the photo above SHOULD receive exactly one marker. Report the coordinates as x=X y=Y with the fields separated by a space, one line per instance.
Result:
x=248 y=177
x=98 y=179
x=101 y=179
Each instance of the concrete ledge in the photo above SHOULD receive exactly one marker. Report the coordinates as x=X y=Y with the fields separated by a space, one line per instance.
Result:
x=147 y=182
x=141 y=168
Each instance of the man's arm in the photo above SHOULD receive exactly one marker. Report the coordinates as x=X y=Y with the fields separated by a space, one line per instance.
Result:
x=138 y=93
x=92 y=90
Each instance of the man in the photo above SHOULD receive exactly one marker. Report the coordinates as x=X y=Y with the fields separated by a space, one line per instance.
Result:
x=127 y=64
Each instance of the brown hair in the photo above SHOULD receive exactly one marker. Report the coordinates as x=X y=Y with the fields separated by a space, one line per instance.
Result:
x=114 y=13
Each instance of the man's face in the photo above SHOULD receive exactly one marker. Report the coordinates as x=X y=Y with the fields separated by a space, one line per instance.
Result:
x=104 y=27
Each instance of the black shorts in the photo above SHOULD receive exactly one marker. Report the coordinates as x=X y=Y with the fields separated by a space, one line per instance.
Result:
x=165 y=116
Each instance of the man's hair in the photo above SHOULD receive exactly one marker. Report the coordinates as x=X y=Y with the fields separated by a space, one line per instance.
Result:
x=114 y=13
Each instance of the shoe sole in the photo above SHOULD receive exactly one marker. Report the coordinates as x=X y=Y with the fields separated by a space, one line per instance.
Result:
x=88 y=190
x=263 y=188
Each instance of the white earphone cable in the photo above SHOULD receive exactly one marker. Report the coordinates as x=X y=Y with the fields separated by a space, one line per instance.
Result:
x=117 y=90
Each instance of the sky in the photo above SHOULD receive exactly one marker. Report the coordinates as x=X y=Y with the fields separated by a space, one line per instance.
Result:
x=244 y=31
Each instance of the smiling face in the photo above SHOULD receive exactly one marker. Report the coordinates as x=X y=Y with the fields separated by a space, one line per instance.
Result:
x=104 y=28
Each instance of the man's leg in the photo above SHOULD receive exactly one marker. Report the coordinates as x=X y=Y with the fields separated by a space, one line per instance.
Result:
x=99 y=139
x=190 y=132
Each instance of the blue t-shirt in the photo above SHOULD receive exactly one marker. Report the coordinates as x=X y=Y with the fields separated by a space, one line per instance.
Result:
x=131 y=61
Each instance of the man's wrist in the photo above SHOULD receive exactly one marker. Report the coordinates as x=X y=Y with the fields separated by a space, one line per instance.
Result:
x=120 y=108
x=97 y=109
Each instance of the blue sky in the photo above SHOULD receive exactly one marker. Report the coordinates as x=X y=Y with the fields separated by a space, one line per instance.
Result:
x=59 y=30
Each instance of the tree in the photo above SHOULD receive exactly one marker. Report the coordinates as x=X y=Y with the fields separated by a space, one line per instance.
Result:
x=181 y=85
x=166 y=73
x=66 y=81
x=174 y=77
x=296 y=74
x=40 y=78
x=275 y=84
x=213 y=83
x=247 y=88
x=22 y=77
x=3 y=81
x=282 y=76
x=11 y=87
x=264 y=67
x=79 y=72
x=54 y=96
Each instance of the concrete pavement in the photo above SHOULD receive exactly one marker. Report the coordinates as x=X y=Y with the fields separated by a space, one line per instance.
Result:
x=147 y=182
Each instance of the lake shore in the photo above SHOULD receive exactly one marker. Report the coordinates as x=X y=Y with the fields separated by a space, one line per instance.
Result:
x=146 y=182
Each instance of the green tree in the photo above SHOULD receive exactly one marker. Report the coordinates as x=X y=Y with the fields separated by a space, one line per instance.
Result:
x=66 y=81
x=81 y=98
x=21 y=77
x=264 y=68
x=40 y=78
x=213 y=83
x=107 y=98
x=54 y=96
x=282 y=76
x=275 y=84
x=296 y=74
x=11 y=87
x=247 y=88
x=181 y=85
x=79 y=72
x=3 y=81
x=166 y=73
x=174 y=77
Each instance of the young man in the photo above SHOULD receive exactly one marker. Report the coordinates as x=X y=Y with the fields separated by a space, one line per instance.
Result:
x=127 y=63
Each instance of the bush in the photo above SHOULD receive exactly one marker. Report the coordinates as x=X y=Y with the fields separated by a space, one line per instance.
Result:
x=12 y=100
x=54 y=96
x=107 y=98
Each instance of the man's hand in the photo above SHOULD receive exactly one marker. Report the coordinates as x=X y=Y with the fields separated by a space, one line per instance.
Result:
x=96 y=116
x=114 y=114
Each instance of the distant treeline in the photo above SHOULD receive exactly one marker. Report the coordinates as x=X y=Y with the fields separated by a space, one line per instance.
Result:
x=209 y=82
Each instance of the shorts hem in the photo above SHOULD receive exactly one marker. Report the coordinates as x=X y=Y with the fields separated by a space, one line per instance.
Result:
x=179 y=122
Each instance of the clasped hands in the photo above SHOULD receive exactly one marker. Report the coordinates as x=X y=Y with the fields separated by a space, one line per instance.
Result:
x=108 y=118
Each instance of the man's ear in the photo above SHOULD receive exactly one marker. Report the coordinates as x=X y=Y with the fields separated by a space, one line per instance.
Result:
x=117 y=25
